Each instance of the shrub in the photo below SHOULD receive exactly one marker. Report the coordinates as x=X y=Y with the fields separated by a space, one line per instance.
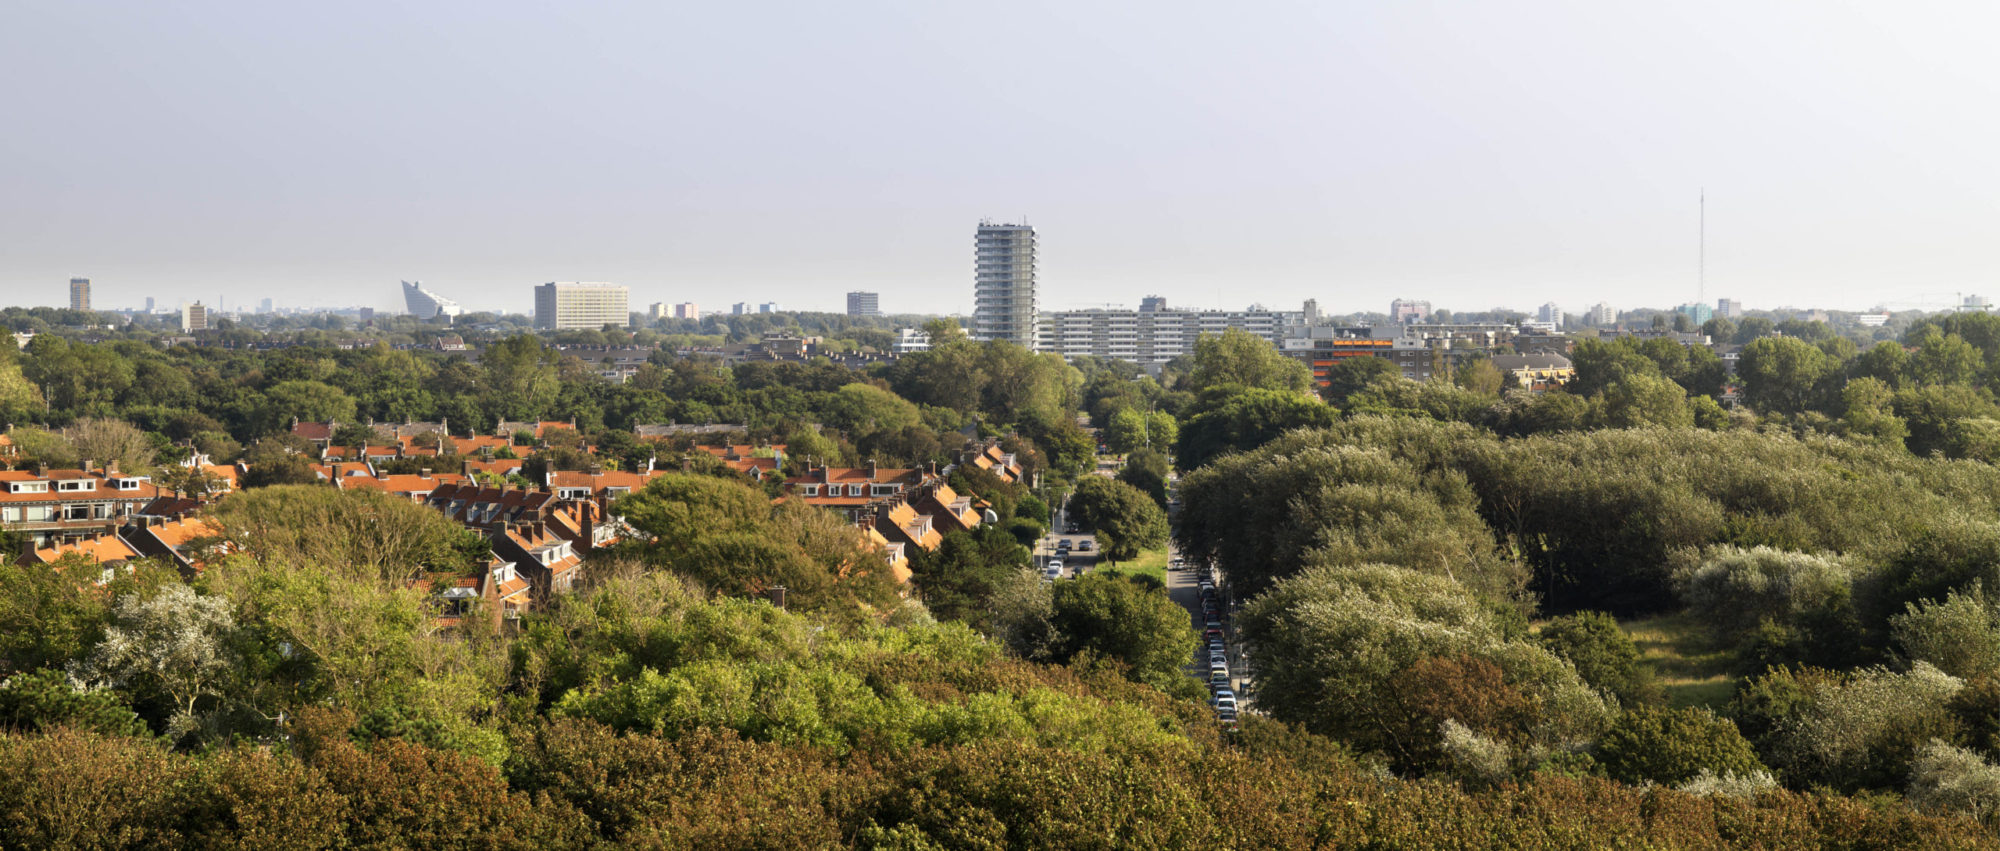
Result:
x=1671 y=746
x=1603 y=654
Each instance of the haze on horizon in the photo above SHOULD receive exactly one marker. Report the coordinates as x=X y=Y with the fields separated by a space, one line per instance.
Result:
x=1501 y=153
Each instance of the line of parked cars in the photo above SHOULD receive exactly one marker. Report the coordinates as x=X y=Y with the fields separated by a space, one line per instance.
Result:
x=1221 y=695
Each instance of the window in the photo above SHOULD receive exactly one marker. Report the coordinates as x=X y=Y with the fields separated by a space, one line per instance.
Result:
x=76 y=485
x=853 y=490
x=76 y=512
x=10 y=515
x=812 y=490
x=29 y=487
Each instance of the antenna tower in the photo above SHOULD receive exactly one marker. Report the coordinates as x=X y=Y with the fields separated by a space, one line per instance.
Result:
x=1701 y=263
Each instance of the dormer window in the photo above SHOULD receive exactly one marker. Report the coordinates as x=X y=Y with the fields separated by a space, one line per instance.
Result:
x=853 y=490
x=812 y=490
x=28 y=487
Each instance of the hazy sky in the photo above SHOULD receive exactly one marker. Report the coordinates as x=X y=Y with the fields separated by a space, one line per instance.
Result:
x=1472 y=153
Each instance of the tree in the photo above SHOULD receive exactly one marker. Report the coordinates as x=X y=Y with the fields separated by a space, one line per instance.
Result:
x=307 y=401
x=112 y=444
x=1644 y=400
x=1782 y=374
x=178 y=642
x=1146 y=470
x=1126 y=520
x=1131 y=430
x=370 y=535
x=1237 y=357
x=1129 y=619
x=274 y=461
x=1349 y=376
x=961 y=579
x=1246 y=420
x=1752 y=329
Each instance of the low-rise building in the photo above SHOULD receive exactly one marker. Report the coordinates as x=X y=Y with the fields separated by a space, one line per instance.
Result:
x=1536 y=371
x=65 y=505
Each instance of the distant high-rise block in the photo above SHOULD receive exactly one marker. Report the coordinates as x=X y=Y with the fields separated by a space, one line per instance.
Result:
x=79 y=293
x=658 y=310
x=1602 y=314
x=1696 y=311
x=578 y=305
x=739 y=308
x=265 y=306
x=425 y=304
x=149 y=304
x=1728 y=308
x=194 y=317
x=1003 y=291
x=1549 y=314
x=769 y=307
x=687 y=310
x=864 y=304
x=1406 y=311
x=1152 y=304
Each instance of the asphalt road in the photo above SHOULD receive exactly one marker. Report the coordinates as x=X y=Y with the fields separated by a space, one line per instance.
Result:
x=1184 y=587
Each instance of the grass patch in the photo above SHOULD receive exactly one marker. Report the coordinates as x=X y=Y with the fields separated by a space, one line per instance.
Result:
x=1151 y=563
x=1690 y=668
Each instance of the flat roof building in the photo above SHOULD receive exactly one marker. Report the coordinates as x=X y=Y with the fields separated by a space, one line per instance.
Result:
x=79 y=293
x=569 y=305
x=1003 y=298
x=864 y=304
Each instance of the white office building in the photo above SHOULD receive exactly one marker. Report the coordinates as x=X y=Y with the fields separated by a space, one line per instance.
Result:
x=575 y=304
x=1003 y=296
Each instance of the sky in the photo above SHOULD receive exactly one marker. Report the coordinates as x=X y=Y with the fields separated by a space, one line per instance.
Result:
x=1496 y=153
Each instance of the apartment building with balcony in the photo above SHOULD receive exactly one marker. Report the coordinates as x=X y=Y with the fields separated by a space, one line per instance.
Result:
x=1003 y=305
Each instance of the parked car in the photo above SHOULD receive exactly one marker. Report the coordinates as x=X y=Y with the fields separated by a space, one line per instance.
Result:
x=1225 y=704
x=1052 y=572
x=1220 y=695
x=1084 y=545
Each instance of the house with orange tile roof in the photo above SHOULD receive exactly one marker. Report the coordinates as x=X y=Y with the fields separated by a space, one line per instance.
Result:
x=896 y=553
x=853 y=491
x=107 y=549
x=479 y=443
x=901 y=523
x=59 y=505
x=189 y=542
x=755 y=462
x=950 y=511
x=606 y=484
x=413 y=487
x=550 y=564
x=498 y=584
x=993 y=460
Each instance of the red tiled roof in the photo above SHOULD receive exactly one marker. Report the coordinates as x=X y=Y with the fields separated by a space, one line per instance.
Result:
x=101 y=549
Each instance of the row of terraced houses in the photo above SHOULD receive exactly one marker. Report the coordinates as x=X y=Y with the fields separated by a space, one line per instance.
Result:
x=539 y=534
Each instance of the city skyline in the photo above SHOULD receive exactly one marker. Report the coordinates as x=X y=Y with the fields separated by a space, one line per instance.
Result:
x=1552 y=149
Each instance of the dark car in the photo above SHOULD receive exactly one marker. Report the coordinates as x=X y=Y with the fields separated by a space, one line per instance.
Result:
x=1086 y=546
